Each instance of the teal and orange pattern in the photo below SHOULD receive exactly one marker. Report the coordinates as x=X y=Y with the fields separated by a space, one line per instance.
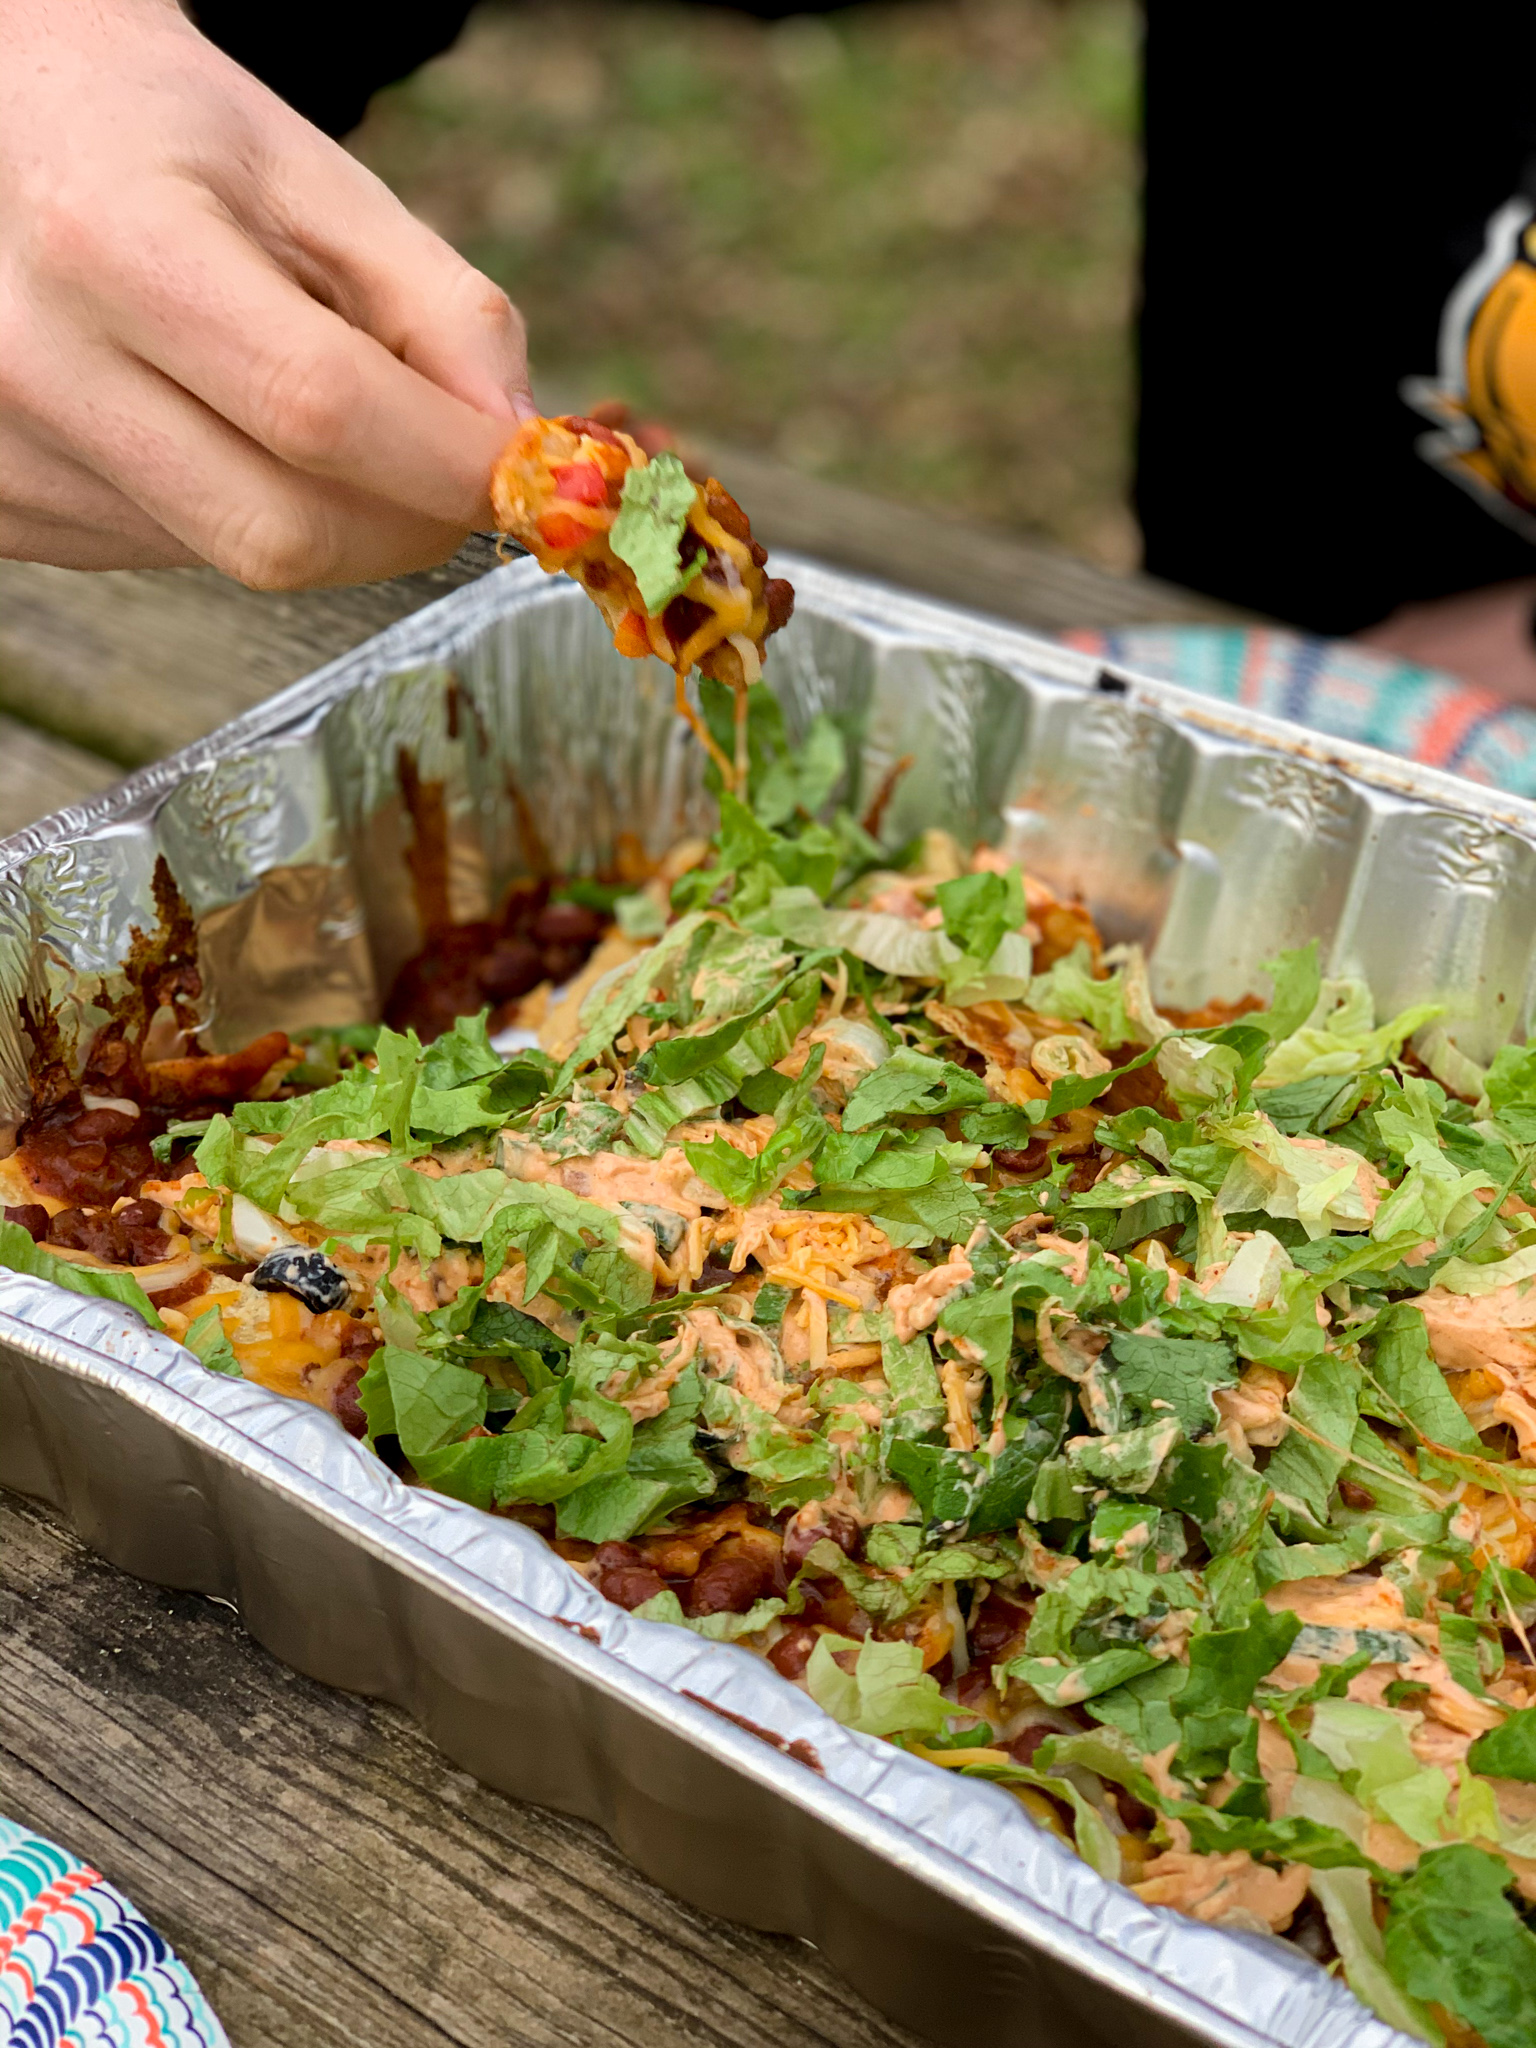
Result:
x=79 y=1968
x=1347 y=692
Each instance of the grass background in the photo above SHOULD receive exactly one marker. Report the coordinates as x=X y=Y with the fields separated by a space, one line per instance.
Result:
x=892 y=245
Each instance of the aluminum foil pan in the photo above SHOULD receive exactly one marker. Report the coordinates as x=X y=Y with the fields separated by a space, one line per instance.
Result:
x=1212 y=834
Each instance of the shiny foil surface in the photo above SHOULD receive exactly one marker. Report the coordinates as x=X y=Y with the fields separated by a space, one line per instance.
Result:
x=1214 y=835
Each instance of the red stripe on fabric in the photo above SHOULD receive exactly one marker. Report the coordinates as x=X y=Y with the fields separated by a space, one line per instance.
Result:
x=45 y=1903
x=154 y=2036
x=1255 y=655
x=1443 y=734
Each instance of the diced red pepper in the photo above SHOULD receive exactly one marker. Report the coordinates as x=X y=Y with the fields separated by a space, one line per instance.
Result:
x=560 y=530
x=582 y=482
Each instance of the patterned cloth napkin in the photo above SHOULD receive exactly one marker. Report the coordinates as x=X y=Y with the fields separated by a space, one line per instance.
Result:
x=1343 y=690
x=79 y=1968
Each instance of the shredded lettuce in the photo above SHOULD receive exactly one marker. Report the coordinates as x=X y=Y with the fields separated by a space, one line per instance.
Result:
x=1094 y=1386
x=647 y=534
x=897 y=946
x=883 y=1691
x=1508 y=1751
x=715 y=1628
x=205 y=1336
x=1341 y=1037
x=1453 y=1939
x=1071 y=989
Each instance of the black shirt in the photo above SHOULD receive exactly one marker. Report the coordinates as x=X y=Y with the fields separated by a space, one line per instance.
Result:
x=1318 y=181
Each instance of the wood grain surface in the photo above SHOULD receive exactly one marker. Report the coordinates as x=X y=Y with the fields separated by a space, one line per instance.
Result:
x=330 y=1879
x=131 y=663
x=39 y=774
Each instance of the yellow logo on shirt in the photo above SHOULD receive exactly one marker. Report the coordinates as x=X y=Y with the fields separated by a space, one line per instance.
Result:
x=1483 y=401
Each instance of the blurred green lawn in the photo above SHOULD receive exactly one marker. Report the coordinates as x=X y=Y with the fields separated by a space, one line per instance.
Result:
x=894 y=245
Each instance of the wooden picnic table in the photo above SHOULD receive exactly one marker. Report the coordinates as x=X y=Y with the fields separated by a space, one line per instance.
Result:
x=331 y=1879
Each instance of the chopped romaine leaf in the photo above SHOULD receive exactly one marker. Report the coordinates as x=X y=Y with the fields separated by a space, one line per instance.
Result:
x=648 y=533
x=980 y=909
x=1508 y=1751
x=205 y=1335
x=1453 y=1939
x=911 y=1084
x=880 y=1688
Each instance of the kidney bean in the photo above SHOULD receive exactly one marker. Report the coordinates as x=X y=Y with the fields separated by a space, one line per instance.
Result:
x=1136 y=1816
x=142 y=1246
x=348 y=1407
x=622 y=1575
x=359 y=1340
x=994 y=1626
x=730 y=1579
x=561 y=962
x=594 y=429
x=76 y=1231
x=510 y=969
x=792 y=1652
x=91 y=1174
x=32 y=1217
x=779 y=597
x=1033 y=1159
x=683 y=618
x=801 y=1537
x=441 y=983
x=105 y=1125
x=725 y=511
x=1023 y=1746
x=567 y=924
x=525 y=900
x=826 y=1601
x=973 y=1684
x=117 y=1239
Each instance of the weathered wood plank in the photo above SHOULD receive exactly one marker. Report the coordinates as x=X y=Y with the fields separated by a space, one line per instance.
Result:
x=39 y=774
x=329 y=1877
x=133 y=664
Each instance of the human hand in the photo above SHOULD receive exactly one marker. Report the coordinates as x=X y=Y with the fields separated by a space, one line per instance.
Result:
x=1480 y=636
x=221 y=339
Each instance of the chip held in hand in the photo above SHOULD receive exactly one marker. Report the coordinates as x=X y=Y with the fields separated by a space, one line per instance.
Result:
x=670 y=563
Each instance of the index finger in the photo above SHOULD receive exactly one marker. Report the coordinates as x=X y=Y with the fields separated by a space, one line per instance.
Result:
x=326 y=215
x=215 y=313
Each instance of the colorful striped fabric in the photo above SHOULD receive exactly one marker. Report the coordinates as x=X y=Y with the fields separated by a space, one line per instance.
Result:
x=1339 y=689
x=79 y=1968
